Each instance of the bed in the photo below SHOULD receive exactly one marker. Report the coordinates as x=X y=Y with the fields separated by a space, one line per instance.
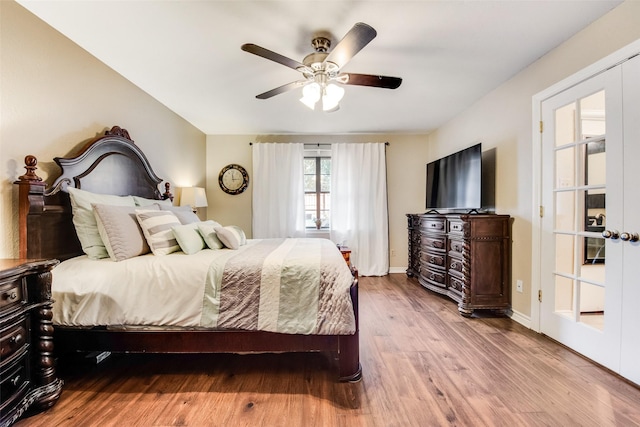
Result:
x=112 y=164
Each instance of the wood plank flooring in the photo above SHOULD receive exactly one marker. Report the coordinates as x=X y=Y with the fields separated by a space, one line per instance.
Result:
x=423 y=365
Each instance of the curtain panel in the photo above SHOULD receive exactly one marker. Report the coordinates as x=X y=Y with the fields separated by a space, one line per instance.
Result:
x=359 y=214
x=278 y=190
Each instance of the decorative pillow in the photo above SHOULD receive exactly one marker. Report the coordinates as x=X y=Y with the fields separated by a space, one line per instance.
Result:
x=208 y=232
x=85 y=222
x=188 y=238
x=156 y=226
x=141 y=201
x=184 y=213
x=120 y=231
x=231 y=236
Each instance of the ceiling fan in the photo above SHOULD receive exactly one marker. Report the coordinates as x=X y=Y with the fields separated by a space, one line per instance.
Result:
x=322 y=69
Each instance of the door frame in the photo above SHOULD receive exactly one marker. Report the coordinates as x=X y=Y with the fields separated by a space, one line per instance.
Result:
x=594 y=69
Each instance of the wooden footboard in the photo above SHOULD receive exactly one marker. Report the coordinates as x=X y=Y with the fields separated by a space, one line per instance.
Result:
x=74 y=339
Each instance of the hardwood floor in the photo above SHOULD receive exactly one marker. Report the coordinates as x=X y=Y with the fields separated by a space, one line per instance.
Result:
x=423 y=365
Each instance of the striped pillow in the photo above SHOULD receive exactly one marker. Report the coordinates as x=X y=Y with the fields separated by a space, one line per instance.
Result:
x=231 y=236
x=156 y=226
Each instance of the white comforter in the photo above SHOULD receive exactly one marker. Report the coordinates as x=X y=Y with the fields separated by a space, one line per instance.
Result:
x=176 y=289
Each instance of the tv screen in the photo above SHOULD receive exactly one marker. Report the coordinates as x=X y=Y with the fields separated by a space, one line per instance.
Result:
x=454 y=182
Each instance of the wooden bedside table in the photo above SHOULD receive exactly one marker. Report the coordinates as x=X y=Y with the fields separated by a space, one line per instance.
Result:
x=346 y=254
x=27 y=372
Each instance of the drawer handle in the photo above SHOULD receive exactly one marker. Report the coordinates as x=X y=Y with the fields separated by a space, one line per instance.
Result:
x=15 y=380
x=455 y=265
x=16 y=339
x=10 y=296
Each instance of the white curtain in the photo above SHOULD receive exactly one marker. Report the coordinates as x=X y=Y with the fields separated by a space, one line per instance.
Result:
x=278 y=190
x=359 y=217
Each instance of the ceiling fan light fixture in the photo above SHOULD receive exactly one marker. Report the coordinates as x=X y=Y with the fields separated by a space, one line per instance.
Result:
x=331 y=97
x=310 y=94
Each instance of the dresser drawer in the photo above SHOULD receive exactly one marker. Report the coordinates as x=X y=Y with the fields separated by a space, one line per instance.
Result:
x=14 y=379
x=456 y=264
x=433 y=259
x=456 y=246
x=456 y=227
x=433 y=242
x=456 y=284
x=434 y=277
x=13 y=338
x=433 y=225
x=12 y=293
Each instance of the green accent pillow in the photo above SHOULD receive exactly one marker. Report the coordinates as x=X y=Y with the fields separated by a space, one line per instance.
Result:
x=85 y=221
x=188 y=237
x=208 y=232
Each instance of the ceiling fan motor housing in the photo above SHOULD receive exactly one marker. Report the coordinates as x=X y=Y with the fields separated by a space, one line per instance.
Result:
x=321 y=44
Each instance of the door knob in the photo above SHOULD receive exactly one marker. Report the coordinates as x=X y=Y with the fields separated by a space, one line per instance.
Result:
x=610 y=234
x=629 y=237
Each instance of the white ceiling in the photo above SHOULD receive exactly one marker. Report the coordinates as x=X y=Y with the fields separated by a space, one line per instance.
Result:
x=187 y=55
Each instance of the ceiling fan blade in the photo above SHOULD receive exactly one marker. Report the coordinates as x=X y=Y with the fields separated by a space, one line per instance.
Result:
x=358 y=37
x=276 y=57
x=282 y=89
x=385 y=82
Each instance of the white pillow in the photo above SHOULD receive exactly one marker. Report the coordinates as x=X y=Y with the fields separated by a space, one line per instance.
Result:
x=141 y=201
x=184 y=213
x=156 y=226
x=188 y=238
x=85 y=222
x=208 y=232
x=231 y=236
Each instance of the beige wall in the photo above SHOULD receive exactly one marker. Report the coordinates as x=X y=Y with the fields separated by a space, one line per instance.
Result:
x=406 y=159
x=54 y=96
x=503 y=119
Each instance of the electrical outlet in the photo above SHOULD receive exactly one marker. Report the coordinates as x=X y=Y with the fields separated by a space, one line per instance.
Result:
x=393 y=252
x=519 y=285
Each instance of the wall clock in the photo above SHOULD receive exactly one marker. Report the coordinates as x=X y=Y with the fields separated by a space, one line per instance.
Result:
x=233 y=179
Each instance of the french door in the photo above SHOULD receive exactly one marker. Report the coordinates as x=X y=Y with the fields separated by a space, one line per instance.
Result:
x=630 y=228
x=581 y=299
x=590 y=257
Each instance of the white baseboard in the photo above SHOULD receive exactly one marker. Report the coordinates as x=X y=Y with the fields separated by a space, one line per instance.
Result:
x=397 y=270
x=521 y=318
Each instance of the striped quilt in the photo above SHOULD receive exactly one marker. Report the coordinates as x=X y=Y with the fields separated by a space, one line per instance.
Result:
x=294 y=286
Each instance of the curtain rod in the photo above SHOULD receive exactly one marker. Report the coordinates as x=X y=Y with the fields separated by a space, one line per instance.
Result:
x=328 y=143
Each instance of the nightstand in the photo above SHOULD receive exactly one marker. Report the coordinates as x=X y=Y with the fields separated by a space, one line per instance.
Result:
x=346 y=254
x=27 y=373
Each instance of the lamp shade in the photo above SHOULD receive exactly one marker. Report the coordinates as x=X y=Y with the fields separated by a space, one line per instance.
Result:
x=194 y=197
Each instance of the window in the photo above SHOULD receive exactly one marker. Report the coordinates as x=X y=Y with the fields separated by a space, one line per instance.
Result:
x=317 y=189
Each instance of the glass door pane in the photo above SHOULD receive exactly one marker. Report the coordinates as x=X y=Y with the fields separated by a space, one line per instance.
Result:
x=579 y=210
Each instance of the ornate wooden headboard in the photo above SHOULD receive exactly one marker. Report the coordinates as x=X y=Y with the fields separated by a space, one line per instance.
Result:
x=108 y=164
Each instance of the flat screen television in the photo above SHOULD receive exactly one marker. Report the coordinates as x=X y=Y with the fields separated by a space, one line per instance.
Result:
x=455 y=182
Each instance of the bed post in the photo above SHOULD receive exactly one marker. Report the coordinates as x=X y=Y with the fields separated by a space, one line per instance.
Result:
x=349 y=357
x=30 y=202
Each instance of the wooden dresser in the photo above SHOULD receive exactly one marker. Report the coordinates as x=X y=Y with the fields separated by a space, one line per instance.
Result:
x=27 y=372
x=466 y=257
